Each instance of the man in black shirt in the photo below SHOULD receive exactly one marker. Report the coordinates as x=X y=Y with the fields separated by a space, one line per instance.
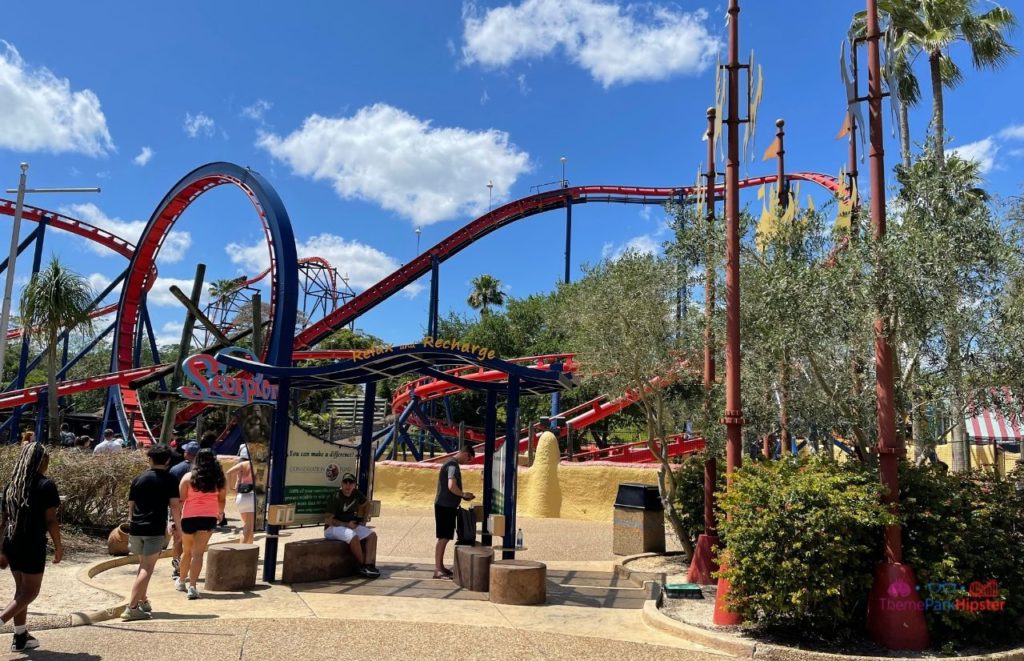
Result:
x=343 y=521
x=446 y=504
x=149 y=498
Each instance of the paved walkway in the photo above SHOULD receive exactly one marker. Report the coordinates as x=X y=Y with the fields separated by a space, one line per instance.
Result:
x=406 y=613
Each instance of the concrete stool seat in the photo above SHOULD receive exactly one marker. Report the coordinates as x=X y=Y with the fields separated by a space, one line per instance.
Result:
x=316 y=560
x=518 y=582
x=473 y=567
x=231 y=567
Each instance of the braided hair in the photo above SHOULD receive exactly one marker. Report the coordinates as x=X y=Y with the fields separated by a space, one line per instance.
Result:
x=15 y=496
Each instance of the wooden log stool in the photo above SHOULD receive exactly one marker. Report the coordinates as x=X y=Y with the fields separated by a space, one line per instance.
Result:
x=518 y=582
x=231 y=567
x=316 y=560
x=473 y=567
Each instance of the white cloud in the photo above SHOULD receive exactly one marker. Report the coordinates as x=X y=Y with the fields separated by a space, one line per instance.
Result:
x=170 y=333
x=1014 y=132
x=524 y=89
x=98 y=282
x=198 y=124
x=385 y=155
x=983 y=152
x=42 y=113
x=484 y=98
x=257 y=109
x=363 y=265
x=161 y=294
x=644 y=244
x=173 y=249
x=615 y=44
x=144 y=157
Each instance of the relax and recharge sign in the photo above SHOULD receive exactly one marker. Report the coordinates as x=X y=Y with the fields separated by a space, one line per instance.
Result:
x=211 y=382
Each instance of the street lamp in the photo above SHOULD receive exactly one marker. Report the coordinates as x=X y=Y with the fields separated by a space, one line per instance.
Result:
x=565 y=184
x=490 y=187
x=418 y=240
x=5 y=313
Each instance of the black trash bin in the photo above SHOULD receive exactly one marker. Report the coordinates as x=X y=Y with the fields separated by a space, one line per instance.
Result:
x=639 y=520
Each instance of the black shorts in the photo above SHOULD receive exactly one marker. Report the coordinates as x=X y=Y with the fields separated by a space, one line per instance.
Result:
x=194 y=524
x=444 y=521
x=26 y=556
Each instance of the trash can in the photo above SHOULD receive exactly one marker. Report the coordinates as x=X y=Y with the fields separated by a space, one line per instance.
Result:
x=639 y=520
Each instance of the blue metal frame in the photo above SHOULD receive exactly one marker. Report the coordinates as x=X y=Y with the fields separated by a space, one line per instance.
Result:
x=37 y=235
x=365 y=459
x=490 y=425
x=568 y=237
x=282 y=336
x=435 y=274
x=508 y=541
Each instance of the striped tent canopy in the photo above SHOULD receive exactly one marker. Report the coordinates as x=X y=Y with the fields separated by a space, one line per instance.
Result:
x=991 y=424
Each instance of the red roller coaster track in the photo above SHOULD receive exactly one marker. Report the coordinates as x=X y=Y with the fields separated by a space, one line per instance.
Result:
x=143 y=276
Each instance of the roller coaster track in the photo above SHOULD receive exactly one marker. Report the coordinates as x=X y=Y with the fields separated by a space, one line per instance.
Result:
x=142 y=272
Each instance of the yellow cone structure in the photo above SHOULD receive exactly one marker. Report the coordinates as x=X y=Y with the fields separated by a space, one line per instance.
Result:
x=542 y=495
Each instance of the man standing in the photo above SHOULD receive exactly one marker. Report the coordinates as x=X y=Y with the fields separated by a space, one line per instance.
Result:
x=342 y=522
x=446 y=505
x=149 y=498
x=108 y=445
x=177 y=471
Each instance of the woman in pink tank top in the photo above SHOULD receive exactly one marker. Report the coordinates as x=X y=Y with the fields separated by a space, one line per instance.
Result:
x=202 y=495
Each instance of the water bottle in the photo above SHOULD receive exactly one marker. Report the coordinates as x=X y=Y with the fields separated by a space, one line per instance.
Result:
x=519 y=539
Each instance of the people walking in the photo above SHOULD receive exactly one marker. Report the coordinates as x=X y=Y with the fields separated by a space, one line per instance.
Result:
x=28 y=511
x=178 y=471
x=245 y=500
x=446 y=505
x=150 y=497
x=202 y=496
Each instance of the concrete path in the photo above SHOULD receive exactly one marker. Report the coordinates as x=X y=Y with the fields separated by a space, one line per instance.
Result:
x=310 y=639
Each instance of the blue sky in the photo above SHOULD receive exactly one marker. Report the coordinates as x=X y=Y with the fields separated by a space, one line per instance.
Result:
x=372 y=119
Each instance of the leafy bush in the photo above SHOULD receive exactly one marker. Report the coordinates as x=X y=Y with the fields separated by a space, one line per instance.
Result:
x=960 y=529
x=803 y=540
x=94 y=487
x=690 y=492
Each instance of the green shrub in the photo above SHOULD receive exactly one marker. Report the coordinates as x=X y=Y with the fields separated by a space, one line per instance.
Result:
x=803 y=540
x=959 y=529
x=94 y=487
x=690 y=491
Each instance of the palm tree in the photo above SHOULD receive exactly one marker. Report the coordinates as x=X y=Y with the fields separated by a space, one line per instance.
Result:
x=486 y=292
x=898 y=70
x=56 y=300
x=930 y=27
x=220 y=288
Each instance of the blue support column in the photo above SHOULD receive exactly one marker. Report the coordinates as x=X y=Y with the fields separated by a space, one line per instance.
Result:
x=41 y=415
x=556 y=399
x=490 y=425
x=21 y=246
x=511 y=467
x=365 y=453
x=148 y=323
x=568 y=236
x=278 y=465
x=435 y=272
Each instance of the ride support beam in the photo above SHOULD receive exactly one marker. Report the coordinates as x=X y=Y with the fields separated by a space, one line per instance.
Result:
x=490 y=427
x=511 y=447
x=366 y=441
x=183 y=348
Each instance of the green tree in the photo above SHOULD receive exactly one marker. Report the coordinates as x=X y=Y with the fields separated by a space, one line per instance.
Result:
x=486 y=292
x=54 y=301
x=930 y=27
x=622 y=326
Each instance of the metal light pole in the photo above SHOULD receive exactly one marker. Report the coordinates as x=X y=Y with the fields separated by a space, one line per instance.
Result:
x=568 y=223
x=418 y=241
x=703 y=564
x=21 y=190
x=490 y=189
x=895 y=611
x=565 y=184
x=733 y=418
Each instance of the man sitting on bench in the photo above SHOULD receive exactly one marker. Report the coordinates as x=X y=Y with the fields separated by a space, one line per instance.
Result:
x=342 y=522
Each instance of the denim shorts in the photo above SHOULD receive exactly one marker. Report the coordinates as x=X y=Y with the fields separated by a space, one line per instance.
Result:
x=146 y=544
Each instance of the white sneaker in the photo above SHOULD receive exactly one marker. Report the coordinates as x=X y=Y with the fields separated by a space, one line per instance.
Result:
x=132 y=614
x=193 y=593
x=179 y=585
x=146 y=606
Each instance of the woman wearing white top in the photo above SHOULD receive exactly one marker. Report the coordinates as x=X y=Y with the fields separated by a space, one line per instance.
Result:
x=246 y=498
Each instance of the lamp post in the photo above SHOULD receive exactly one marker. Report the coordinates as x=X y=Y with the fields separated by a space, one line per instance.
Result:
x=895 y=611
x=490 y=189
x=19 y=207
x=568 y=223
x=418 y=231
x=565 y=184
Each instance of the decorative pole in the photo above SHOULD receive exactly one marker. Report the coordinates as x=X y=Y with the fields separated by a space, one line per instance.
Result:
x=733 y=405
x=780 y=157
x=895 y=611
x=703 y=564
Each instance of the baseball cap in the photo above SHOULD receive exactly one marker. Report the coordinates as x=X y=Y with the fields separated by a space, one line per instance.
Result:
x=348 y=477
x=190 y=448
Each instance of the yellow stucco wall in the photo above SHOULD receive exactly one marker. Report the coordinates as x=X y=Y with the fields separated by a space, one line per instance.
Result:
x=981 y=457
x=588 y=490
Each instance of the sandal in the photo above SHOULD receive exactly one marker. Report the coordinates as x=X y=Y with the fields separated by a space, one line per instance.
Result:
x=446 y=575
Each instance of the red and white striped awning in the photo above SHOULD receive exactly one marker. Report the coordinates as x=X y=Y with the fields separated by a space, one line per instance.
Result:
x=991 y=424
